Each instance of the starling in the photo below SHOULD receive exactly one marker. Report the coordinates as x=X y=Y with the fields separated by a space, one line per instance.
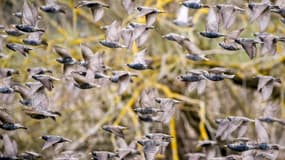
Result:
x=29 y=19
x=168 y=107
x=149 y=13
x=13 y=31
x=194 y=4
x=83 y=82
x=266 y=85
x=113 y=35
x=185 y=42
x=212 y=26
x=24 y=93
x=229 y=40
x=217 y=74
x=182 y=18
x=52 y=140
x=123 y=78
x=69 y=63
x=150 y=148
x=249 y=45
x=240 y=146
x=194 y=80
x=269 y=43
x=140 y=32
x=126 y=151
x=271 y=114
x=116 y=130
x=37 y=113
x=127 y=34
x=52 y=7
x=196 y=57
x=46 y=80
x=103 y=155
x=140 y=62
x=129 y=5
x=97 y=8
x=7 y=121
x=34 y=39
x=7 y=72
x=164 y=140
x=16 y=47
x=227 y=13
x=261 y=12
x=231 y=124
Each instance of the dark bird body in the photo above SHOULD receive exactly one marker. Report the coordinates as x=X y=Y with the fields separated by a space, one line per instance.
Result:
x=52 y=7
x=52 y=140
x=97 y=8
x=7 y=122
x=249 y=45
x=194 y=4
x=6 y=90
x=240 y=147
x=103 y=155
x=19 y=48
x=116 y=130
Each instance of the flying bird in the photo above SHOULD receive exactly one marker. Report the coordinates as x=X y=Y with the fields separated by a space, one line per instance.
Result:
x=212 y=26
x=194 y=4
x=265 y=86
x=52 y=6
x=249 y=46
x=97 y=8
x=149 y=13
x=182 y=17
x=116 y=130
x=52 y=140
x=7 y=121
x=140 y=62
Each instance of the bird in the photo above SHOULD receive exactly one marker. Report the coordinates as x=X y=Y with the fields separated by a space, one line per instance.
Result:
x=212 y=26
x=140 y=33
x=97 y=8
x=208 y=147
x=7 y=121
x=83 y=82
x=46 y=80
x=217 y=74
x=271 y=114
x=34 y=39
x=30 y=19
x=229 y=40
x=150 y=148
x=261 y=13
x=13 y=31
x=194 y=4
x=249 y=45
x=183 y=41
x=52 y=140
x=123 y=78
x=51 y=6
x=265 y=85
x=147 y=108
x=269 y=42
x=140 y=62
x=103 y=155
x=231 y=124
x=126 y=151
x=113 y=35
x=19 y=48
x=116 y=130
x=8 y=72
x=168 y=107
x=196 y=57
x=164 y=140
x=194 y=79
x=227 y=14
x=149 y=13
x=182 y=18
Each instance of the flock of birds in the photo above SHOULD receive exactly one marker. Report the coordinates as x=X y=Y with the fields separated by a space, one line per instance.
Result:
x=91 y=72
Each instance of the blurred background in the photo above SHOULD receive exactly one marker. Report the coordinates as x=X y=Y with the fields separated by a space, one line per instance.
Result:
x=85 y=111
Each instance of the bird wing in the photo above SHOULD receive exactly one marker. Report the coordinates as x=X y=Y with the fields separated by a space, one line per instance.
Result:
x=147 y=98
x=113 y=32
x=144 y=11
x=212 y=21
x=272 y=110
x=262 y=135
x=50 y=142
x=5 y=117
x=263 y=81
x=10 y=147
x=97 y=13
x=124 y=82
x=150 y=19
x=267 y=90
x=127 y=36
x=227 y=15
x=129 y=5
x=264 y=20
x=250 y=49
x=168 y=110
x=182 y=14
x=201 y=86
x=140 y=56
x=233 y=35
x=257 y=11
x=190 y=46
x=86 y=52
x=62 y=52
x=40 y=100
x=150 y=150
x=30 y=14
